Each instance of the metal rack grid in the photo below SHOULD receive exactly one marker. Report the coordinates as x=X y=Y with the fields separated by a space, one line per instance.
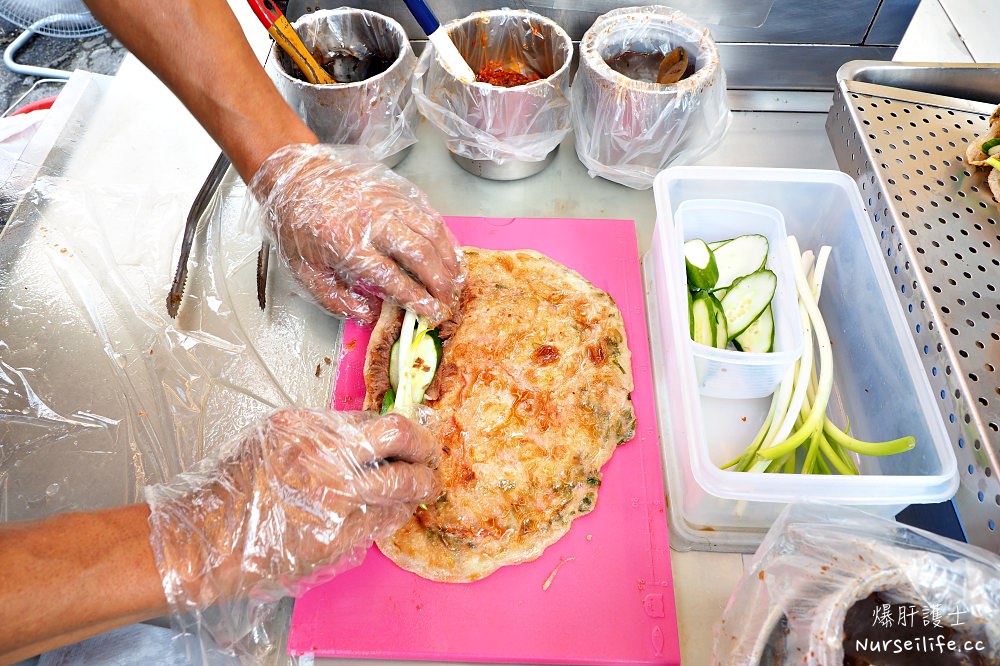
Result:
x=939 y=229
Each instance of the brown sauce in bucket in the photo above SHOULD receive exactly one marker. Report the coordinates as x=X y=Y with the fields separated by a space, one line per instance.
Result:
x=642 y=66
x=345 y=66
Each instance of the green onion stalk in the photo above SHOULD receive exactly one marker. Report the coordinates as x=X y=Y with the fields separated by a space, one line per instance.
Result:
x=803 y=396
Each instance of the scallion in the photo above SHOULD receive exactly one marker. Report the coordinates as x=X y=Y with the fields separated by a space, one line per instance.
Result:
x=797 y=414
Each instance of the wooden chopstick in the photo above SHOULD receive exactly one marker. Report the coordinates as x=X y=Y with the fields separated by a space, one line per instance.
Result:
x=285 y=36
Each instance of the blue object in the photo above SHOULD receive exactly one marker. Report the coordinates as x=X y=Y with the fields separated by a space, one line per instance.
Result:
x=425 y=17
x=940 y=518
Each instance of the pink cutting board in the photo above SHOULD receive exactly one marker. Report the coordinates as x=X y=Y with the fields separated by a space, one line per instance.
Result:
x=603 y=594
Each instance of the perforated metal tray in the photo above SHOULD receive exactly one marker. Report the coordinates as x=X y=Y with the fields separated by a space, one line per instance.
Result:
x=902 y=130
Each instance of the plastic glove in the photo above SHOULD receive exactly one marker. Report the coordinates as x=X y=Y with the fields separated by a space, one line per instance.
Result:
x=295 y=502
x=351 y=230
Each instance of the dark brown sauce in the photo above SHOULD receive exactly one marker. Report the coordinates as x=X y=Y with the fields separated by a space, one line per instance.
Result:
x=345 y=66
x=904 y=639
x=642 y=66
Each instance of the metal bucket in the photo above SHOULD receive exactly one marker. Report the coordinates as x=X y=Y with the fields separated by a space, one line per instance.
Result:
x=495 y=132
x=628 y=129
x=372 y=60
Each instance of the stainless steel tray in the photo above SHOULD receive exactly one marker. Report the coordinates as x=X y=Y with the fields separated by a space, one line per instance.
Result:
x=901 y=130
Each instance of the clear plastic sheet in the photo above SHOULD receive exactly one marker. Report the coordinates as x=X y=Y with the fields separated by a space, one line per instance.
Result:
x=490 y=123
x=101 y=393
x=373 y=107
x=628 y=130
x=817 y=561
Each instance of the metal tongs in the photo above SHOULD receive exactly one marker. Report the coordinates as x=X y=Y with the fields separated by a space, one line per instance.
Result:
x=201 y=202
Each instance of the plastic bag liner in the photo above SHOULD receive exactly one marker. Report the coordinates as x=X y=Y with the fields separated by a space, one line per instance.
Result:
x=101 y=393
x=817 y=561
x=628 y=130
x=370 y=56
x=485 y=122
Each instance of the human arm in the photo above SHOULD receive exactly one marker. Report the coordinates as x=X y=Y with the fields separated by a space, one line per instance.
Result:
x=75 y=575
x=198 y=49
x=350 y=230
x=300 y=496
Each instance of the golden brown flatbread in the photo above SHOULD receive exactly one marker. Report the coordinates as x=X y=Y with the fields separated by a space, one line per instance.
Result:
x=530 y=401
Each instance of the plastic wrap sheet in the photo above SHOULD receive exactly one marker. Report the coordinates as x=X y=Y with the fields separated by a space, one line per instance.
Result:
x=628 y=130
x=100 y=392
x=818 y=560
x=491 y=123
x=370 y=53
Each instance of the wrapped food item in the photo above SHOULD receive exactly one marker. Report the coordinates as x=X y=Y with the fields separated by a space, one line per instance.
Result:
x=984 y=152
x=509 y=123
x=649 y=92
x=835 y=585
x=370 y=58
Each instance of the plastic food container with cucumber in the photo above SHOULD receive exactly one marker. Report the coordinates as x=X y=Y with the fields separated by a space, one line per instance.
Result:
x=733 y=302
x=742 y=305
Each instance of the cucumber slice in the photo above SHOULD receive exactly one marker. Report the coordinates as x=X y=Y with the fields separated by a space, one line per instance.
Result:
x=413 y=360
x=422 y=348
x=721 y=325
x=747 y=298
x=703 y=319
x=759 y=335
x=394 y=366
x=388 y=401
x=424 y=362
x=702 y=270
x=715 y=245
x=741 y=256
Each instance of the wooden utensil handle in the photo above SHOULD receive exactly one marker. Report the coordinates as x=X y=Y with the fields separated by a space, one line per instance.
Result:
x=286 y=37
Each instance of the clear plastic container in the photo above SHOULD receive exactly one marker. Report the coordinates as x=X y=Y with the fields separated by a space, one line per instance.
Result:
x=726 y=373
x=880 y=382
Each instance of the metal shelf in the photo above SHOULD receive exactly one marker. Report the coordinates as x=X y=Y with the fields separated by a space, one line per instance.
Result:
x=939 y=228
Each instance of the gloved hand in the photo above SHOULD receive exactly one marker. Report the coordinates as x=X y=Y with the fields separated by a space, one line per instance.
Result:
x=295 y=502
x=351 y=230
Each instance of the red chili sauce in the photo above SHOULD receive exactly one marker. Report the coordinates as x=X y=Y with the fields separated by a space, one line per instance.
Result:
x=495 y=74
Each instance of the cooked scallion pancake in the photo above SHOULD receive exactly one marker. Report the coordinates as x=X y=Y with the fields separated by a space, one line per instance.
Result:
x=530 y=400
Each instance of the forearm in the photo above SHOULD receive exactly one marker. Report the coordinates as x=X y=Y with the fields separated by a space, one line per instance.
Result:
x=73 y=576
x=197 y=48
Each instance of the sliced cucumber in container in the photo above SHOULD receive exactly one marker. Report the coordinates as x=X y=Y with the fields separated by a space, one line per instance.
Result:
x=721 y=325
x=703 y=328
x=739 y=257
x=702 y=270
x=747 y=298
x=759 y=335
